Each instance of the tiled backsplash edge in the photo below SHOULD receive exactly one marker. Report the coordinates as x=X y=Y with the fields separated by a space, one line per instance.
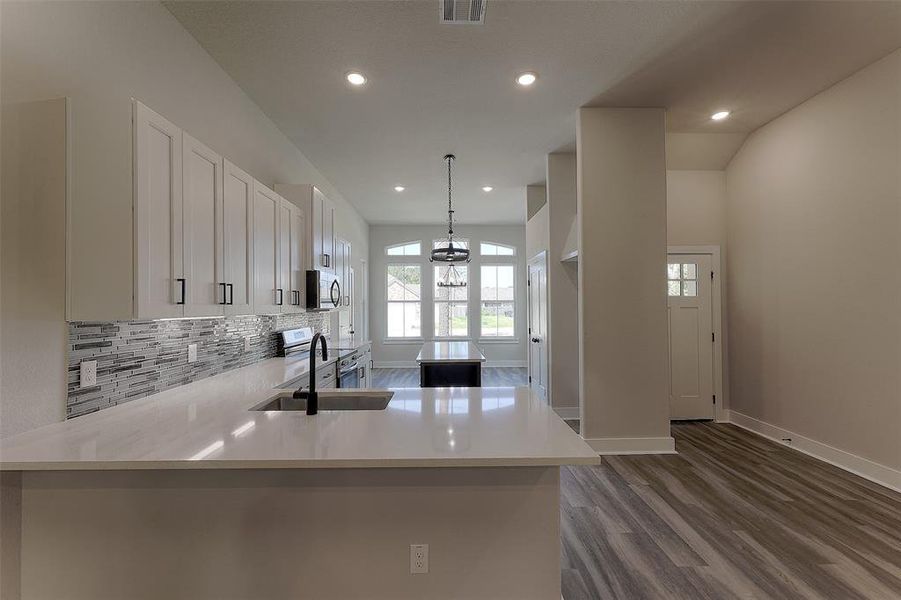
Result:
x=140 y=358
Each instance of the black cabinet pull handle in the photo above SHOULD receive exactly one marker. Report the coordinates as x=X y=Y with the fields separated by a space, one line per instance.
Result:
x=281 y=296
x=224 y=294
x=182 y=282
x=231 y=293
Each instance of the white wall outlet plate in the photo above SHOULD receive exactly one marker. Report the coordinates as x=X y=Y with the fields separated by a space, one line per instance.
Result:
x=88 y=375
x=419 y=558
x=247 y=339
x=192 y=353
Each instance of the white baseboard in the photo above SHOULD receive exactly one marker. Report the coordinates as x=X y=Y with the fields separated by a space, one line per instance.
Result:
x=568 y=412
x=394 y=364
x=411 y=364
x=648 y=445
x=519 y=364
x=864 y=467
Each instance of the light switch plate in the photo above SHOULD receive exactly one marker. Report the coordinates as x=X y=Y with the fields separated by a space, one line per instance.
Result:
x=88 y=377
x=192 y=353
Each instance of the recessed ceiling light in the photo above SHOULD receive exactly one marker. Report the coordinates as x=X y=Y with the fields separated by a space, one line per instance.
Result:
x=719 y=116
x=526 y=79
x=355 y=78
x=487 y=188
x=399 y=188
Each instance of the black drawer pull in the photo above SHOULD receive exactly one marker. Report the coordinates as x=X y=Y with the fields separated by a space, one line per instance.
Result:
x=182 y=282
x=231 y=293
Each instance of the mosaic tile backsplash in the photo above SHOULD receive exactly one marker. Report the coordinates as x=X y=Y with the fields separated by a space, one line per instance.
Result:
x=139 y=358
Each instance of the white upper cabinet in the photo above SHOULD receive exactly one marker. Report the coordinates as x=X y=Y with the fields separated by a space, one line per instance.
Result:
x=206 y=293
x=319 y=224
x=296 y=271
x=267 y=205
x=236 y=277
x=159 y=282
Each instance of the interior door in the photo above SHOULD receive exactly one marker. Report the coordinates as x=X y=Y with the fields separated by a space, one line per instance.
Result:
x=237 y=228
x=266 y=206
x=202 y=193
x=538 y=367
x=159 y=234
x=690 y=336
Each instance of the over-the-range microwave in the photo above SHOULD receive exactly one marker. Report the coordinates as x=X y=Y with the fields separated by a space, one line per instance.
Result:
x=323 y=290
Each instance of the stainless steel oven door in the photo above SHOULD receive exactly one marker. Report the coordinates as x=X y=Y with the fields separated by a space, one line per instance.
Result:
x=349 y=376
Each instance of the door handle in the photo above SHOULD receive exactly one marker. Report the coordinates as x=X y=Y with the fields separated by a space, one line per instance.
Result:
x=182 y=282
x=335 y=297
x=536 y=340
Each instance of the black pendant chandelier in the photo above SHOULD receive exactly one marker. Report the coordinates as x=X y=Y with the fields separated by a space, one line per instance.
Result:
x=447 y=252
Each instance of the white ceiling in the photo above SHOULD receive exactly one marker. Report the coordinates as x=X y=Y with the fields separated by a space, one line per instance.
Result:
x=437 y=88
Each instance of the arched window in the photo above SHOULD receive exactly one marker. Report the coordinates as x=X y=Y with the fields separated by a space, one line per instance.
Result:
x=492 y=249
x=404 y=249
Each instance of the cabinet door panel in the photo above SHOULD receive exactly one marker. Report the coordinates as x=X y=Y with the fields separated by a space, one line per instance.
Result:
x=202 y=193
x=265 y=250
x=284 y=258
x=159 y=267
x=297 y=269
x=320 y=259
x=238 y=240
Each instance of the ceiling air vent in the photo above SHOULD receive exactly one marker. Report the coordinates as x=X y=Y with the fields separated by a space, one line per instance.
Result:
x=462 y=12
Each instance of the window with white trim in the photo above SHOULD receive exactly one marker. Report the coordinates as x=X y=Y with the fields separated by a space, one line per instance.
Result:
x=404 y=288
x=405 y=249
x=492 y=249
x=498 y=301
x=451 y=301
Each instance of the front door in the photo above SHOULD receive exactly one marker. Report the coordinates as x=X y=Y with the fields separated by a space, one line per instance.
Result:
x=690 y=336
x=538 y=366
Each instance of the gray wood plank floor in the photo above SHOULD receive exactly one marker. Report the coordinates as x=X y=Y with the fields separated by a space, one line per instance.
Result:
x=733 y=515
x=491 y=377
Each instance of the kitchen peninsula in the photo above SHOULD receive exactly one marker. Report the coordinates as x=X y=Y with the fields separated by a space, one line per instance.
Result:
x=190 y=494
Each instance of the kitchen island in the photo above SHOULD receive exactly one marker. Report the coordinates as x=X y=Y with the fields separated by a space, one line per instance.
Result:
x=189 y=494
x=447 y=364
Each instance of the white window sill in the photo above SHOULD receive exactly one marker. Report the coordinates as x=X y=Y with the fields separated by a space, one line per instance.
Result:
x=396 y=341
x=499 y=340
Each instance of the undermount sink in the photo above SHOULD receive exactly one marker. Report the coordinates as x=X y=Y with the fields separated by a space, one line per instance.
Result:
x=331 y=400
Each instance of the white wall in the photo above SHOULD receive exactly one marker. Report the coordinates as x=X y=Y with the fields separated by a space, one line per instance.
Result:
x=537 y=232
x=814 y=229
x=100 y=55
x=394 y=353
x=696 y=208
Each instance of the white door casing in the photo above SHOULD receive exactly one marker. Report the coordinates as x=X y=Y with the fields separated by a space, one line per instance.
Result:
x=691 y=336
x=538 y=326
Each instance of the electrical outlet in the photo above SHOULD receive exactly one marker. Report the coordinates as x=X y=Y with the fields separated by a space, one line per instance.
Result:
x=419 y=558
x=247 y=343
x=192 y=353
x=88 y=375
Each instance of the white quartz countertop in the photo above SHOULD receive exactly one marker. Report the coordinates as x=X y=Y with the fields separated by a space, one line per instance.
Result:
x=207 y=424
x=448 y=352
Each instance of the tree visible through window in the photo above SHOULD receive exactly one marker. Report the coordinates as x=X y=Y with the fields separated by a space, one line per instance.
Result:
x=404 y=287
x=498 y=301
x=451 y=303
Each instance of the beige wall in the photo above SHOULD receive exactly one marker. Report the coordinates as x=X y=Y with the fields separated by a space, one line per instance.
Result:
x=33 y=331
x=814 y=228
x=537 y=232
x=563 y=284
x=622 y=256
x=696 y=208
x=536 y=197
x=100 y=55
